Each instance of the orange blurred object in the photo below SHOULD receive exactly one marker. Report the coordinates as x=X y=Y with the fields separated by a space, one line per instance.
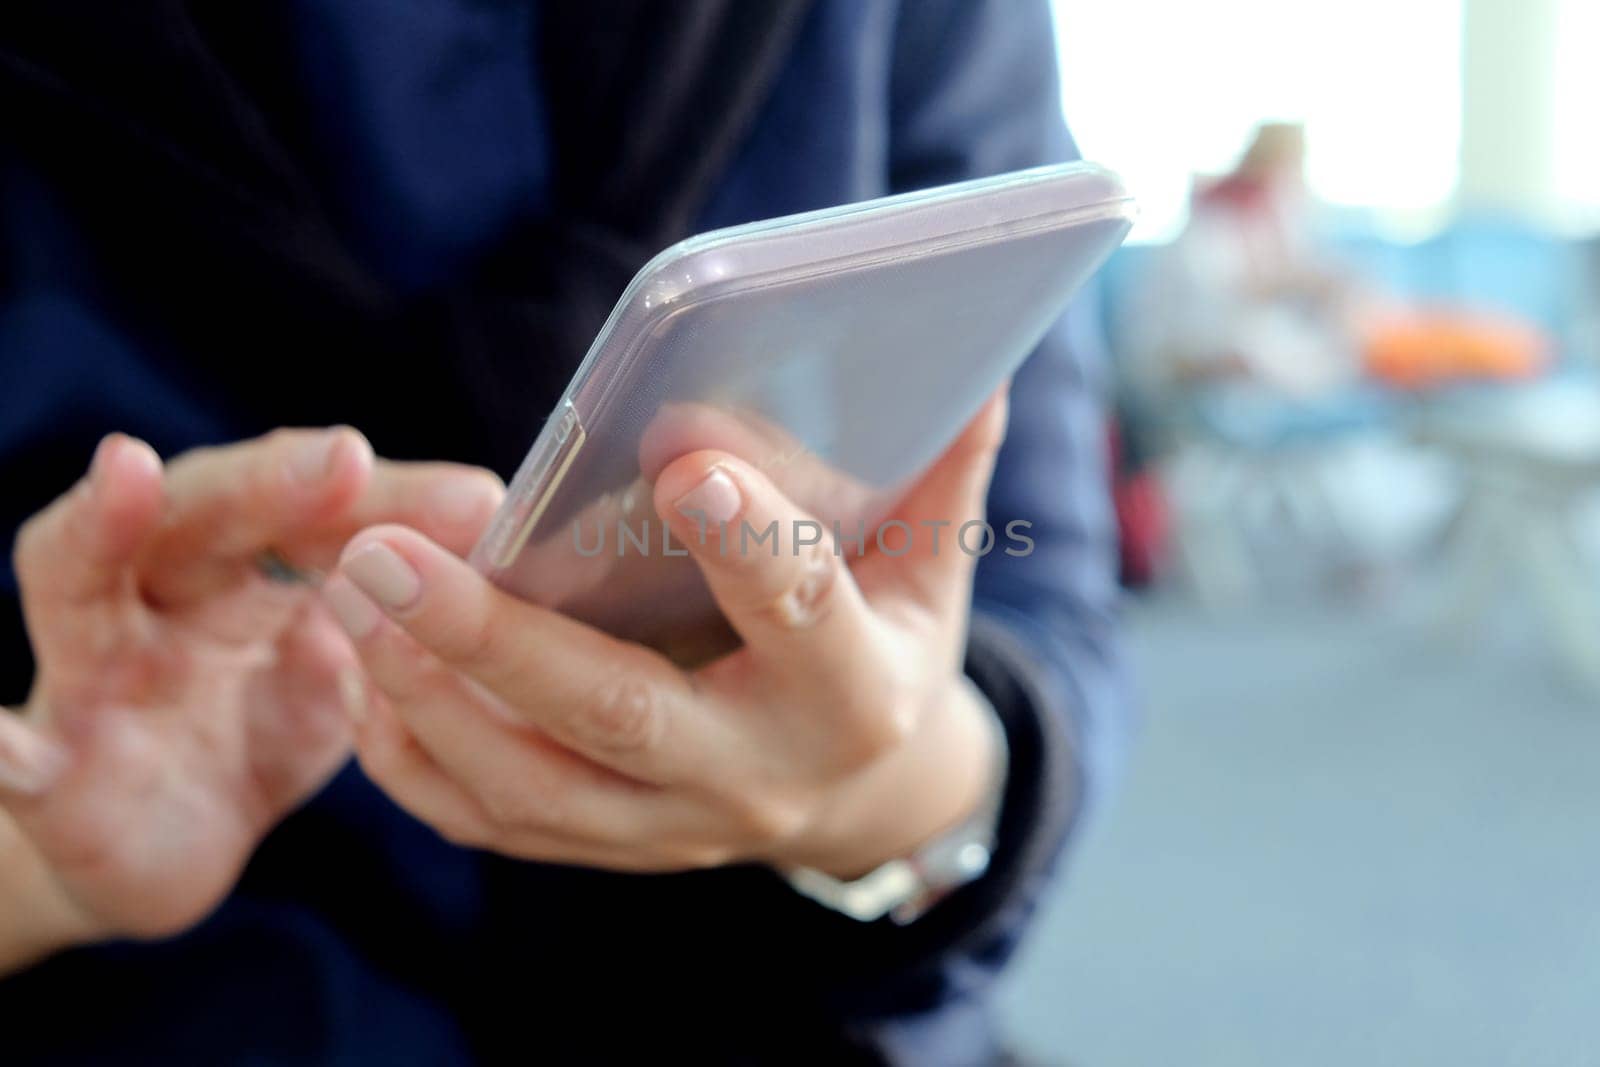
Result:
x=1416 y=350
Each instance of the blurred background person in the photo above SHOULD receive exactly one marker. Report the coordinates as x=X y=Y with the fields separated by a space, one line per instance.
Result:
x=1247 y=293
x=1362 y=821
x=1272 y=377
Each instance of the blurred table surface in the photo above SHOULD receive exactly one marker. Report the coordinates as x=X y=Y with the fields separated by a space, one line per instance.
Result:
x=1548 y=429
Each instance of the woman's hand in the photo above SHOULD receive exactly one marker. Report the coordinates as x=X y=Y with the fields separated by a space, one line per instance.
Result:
x=840 y=735
x=184 y=700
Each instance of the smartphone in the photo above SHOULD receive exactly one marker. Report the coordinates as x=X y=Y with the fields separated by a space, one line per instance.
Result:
x=839 y=351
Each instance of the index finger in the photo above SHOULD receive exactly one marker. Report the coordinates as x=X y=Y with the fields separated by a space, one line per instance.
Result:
x=233 y=501
x=78 y=546
x=76 y=555
x=302 y=494
x=619 y=704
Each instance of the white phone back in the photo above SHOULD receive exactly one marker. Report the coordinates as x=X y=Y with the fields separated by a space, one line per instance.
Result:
x=840 y=351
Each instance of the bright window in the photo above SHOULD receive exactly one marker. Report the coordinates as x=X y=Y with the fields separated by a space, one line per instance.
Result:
x=1576 y=151
x=1163 y=90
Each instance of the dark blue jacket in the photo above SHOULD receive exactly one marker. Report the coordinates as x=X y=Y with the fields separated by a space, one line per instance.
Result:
x=357 y=935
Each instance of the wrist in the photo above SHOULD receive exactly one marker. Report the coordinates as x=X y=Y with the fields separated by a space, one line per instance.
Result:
x=936 y=781
x=37 y=918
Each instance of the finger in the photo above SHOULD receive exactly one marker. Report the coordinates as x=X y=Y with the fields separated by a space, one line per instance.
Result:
x=773 y=570
x=940 y=532
x=30 y=762
x=802 y=476
x=393 y=759
x=451 y=503
x=517 y=776
x=399 y=763
x=228 y=504
x=617 y=704
x=237 y=500
x=811 y=642
x=305 y=492
x=302 y=744
x=78 y=552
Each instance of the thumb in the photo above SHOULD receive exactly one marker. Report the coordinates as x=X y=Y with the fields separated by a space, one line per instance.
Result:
x=940 y=546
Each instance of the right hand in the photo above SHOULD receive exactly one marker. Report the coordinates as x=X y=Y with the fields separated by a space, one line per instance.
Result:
x=184 y=702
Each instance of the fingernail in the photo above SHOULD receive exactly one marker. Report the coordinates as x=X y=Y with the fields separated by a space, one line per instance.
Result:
x=312 y=460
x=353 y=695
x=715 y=499
x=351 y=608
x=29 y=763
x=380 y=573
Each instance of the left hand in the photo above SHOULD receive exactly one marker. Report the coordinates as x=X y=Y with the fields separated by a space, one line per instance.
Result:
x=184 y=702
x=840 y=735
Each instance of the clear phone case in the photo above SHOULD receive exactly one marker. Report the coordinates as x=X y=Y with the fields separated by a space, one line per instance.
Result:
x=839 y=351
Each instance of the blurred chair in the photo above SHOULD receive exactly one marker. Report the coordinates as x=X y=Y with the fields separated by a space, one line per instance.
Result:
x=1246 y=469
x=1530 y=454
x=1531 y=457
x=1250 y=474
x=1238 y=462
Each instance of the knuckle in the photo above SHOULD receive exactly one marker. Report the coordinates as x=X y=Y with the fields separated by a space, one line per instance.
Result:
x=344 y=431
x=472 y=639
x=861 y=747
x=274 y=444
x=894 y=727
x=624 y=716
x=263 y=458
x=809 y=594
x=876 y=728
x=275 y=448
x=765 y=822
x=400 y=671
x=521 y=805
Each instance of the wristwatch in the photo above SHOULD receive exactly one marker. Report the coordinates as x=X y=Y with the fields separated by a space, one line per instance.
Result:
x=904 y=889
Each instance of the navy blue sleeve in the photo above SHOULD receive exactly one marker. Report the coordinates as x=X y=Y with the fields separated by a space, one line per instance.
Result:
x=975 y=92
